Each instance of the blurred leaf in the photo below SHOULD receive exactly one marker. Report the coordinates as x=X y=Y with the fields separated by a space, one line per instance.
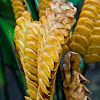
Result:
x=1 y=72
x=6 y=27
x=2 y=79
x=6 y=48
x=11 y=61
x=6 y=12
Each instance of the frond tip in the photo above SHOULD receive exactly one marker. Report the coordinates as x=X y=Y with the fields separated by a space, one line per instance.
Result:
x=19 y=6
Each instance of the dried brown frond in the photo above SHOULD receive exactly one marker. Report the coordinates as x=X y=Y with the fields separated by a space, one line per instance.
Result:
x=73 y=80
